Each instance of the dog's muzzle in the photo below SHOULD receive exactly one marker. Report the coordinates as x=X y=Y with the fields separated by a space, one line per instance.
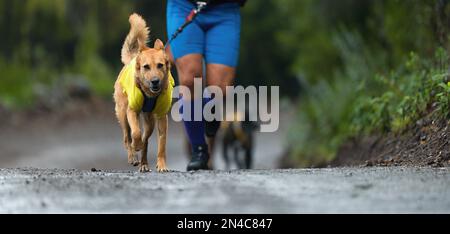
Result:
x=155 y=84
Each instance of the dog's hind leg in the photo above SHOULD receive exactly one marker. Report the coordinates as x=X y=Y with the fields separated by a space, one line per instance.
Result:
x=225 y=155
x=248 y=158
x=249 y=153
x=149 y=127
x=237 y=156
x=163 y=126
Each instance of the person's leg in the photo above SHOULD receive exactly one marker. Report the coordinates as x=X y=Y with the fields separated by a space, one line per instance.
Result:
x=220 y=76
x=221 y=55
x=190 y=67
x=220 y=45
x=187 y=51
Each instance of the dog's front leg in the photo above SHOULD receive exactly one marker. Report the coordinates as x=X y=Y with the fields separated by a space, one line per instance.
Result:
x=163 y=125
x=121 y=112
x=133 y=121
x=149 y=126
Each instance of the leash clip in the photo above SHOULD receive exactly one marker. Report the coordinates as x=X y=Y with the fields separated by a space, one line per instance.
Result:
x=200 y=6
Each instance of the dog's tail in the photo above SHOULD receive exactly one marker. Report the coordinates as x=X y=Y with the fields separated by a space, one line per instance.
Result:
x=137 y=38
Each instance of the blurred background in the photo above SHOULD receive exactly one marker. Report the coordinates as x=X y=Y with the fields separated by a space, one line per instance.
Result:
x=345 y=68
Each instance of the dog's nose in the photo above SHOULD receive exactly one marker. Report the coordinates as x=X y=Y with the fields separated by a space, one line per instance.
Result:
x=155 y=81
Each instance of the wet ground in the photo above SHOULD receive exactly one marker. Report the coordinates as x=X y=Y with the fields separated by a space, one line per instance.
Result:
x=345 y=190
x=75 y=145
x=96 y=142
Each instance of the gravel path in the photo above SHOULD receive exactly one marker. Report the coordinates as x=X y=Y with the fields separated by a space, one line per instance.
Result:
x=346 y=190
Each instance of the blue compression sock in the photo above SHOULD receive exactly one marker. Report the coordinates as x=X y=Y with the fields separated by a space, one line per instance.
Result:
x=194 y=129
x=211 y=128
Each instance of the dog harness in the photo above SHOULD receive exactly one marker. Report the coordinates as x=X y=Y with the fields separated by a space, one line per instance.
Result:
x=139 y=102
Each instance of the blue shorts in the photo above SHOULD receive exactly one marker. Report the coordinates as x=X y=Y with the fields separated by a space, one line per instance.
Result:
x=215 y=33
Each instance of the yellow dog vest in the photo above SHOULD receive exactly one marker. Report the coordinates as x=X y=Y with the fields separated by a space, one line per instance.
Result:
x=137 y=101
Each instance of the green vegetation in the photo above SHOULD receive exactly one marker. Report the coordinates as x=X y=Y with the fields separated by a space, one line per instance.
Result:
x=47 y=43
x=376 y=72
x=333 y=112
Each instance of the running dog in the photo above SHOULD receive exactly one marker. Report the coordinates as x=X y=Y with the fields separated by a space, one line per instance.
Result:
x=143 y=88
x=238 y=136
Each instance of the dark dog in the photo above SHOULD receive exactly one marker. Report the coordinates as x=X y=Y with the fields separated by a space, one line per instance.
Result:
x=238 y=137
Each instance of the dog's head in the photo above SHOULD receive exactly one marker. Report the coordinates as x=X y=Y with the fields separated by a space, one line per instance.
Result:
x=152 y=69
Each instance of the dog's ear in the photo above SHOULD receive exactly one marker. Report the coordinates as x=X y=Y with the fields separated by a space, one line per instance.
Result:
x=168 y=62
x=138 y=64
x=159 y=45
x=137 y=82
x=138 y=70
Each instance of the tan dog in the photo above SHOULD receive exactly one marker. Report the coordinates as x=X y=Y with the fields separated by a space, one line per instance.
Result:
x=150 y=74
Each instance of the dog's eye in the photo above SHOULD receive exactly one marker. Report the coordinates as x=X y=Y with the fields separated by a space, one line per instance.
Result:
x=147 y=67
x=160 y=66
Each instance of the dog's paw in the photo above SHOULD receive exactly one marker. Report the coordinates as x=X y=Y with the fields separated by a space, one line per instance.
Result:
x=133 y=161
x=162 y=168
x=144 y=168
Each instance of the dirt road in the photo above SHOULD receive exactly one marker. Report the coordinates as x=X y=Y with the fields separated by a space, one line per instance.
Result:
x=363 y=190
x=94 y=142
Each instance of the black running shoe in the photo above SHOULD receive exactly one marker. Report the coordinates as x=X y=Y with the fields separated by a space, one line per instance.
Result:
x=200 y=158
